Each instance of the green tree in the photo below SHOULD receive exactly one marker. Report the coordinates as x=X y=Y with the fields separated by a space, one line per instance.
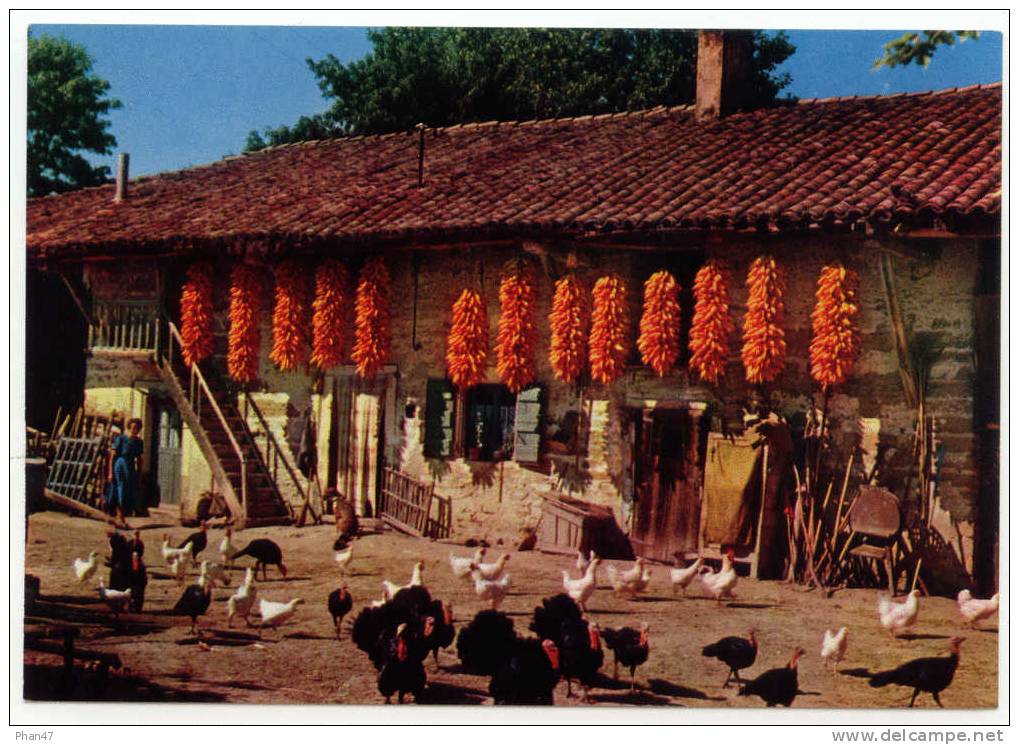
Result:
x=912 y=48
x=442 y=76
x=66 y=108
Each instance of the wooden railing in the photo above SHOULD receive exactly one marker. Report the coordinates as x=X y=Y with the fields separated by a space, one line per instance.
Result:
x=274 y=455
x=199 y=396
x=124 y=326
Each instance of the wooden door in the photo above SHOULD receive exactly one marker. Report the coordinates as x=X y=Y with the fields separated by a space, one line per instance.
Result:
x=168 y=455
x=361 y=409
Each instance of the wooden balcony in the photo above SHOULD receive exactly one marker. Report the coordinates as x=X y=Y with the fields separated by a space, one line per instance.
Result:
x=124 y=327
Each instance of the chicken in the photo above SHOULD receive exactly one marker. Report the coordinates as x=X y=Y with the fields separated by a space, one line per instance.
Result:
x=494 y=570
x=580 y=590
x=631 y=582
x=973 y=609
x=777 y=686
x=897 y=617
x=343 y=558
x=193 y=603
x=264 y=552
x=486 y=642
x=118 y=600
x=241 y=602
x=402 y=671
x=389 y=589
x=929 y=674
x=720 y=584
x=528 y=676
x=584 y=559
x=276 y=614
x=346 y=518
x=226 y=546
x=197 y=540
x=339 y=603
x=736 y=652
x=178 y=569
x=461 y=566
x=682 y=577
x=493 y=591
x=170 y=553
x=833 y=647
x=138 y=580
x=629 y=646
x=213 y=572
x=84 y=569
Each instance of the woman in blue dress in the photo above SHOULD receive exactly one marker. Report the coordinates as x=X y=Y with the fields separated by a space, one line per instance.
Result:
x=125 y=463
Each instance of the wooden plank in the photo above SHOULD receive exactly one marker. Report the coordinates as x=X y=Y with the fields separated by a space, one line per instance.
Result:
x=77 y=507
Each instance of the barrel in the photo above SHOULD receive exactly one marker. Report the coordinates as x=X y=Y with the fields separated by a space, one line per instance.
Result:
x=35 y=485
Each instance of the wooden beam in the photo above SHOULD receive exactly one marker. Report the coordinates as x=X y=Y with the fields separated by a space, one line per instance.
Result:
x=77 y=300
x=76 y=506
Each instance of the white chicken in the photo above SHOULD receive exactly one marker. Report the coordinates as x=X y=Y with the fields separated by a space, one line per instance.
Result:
x=896 y=617
x=242 y=601
x=631 y=582
x=212 y=572
x=720 y=584
x=343 y=558
x=118 y=600
x=493 y=570
x=973 y=609
x=170 y=553
x=276 y=614
x=833 y=647
x=682 y=577
x=494 y=591
x=582 y=589
x=389 y=589
x=226 y=547
x=461 y=565
x=584 y=559
x=85 y=568
x=179 y=569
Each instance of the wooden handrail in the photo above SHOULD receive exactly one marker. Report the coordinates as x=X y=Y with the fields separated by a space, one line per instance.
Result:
x=272 y=444
x=197 y=381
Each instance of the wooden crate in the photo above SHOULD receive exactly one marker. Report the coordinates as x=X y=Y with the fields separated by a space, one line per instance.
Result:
x=570 y=525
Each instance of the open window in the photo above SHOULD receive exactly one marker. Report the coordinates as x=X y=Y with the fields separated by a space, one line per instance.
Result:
x=490 y=415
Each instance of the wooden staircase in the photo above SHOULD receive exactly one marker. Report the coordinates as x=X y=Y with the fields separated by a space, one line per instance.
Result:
x=246 y=476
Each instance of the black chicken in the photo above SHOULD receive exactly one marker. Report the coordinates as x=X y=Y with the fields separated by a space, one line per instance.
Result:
x=528 y=676
x=402 y=671
x=559 y=619
x=930 y=674
x=194 y=602
x=736 y=652
x=630 y=647
x=777 y=686
x=264 y=552
x=139 y=578
x=198 y=540
x=486 y=642
x=340 y=602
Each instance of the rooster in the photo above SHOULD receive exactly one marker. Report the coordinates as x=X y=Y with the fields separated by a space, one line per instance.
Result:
x=681 y=578
x=118 y=600
x=720 y=584
x=84 y=569
x=138 y=580
x=529 y=674
x=276 y=614
x=461 y=566
x=629 y=646
x=929 y=674
x=339 y=603
x=582 y=589
x=179 y=569
x=197 y=541
x=170 y=553
x=493 y=591
x=736 y=652
x=833 y=647
x=494 y=570
x=973 y=609
x=777 y=686
x=241 y=602
x=897 y=617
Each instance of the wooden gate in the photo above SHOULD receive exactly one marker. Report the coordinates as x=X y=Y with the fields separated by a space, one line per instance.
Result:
x=406 y=504
x=75 y=472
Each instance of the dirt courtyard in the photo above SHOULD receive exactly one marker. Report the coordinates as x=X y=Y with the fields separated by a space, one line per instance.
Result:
x=305 y=664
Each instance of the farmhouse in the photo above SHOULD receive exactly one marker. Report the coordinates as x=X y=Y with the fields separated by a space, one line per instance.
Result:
x=902 y=191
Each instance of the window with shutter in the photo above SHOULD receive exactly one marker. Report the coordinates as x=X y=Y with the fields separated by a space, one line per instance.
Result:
x=440 y=405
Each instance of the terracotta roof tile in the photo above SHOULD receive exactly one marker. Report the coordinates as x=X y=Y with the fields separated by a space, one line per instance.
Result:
x=818 y=161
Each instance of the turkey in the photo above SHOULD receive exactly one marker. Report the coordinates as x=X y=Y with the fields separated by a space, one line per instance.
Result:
x=276 y=614
x=485 y=643
x=242 y=601
x=461 y=565
x=339 y=603
x=138 y=579
x=580 y=590
x=402 y=671
x=264 y=552
x=897 y=617
x=630 y=647
x=84 y=569
x=682 y=577
x=579 y=642
x=929 y=674
x=973 y=609
x=120 y=561
x=197 y=540
x=833 y=647
x=441 y=633
x=118 y=600
x=493 y=591
x=720 y=584
x=778 y=686
x=736 y=652
x=193 y=603
x=529 y=674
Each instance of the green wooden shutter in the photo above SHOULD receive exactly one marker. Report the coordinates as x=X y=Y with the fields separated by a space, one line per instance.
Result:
x=440 y=401
x=527 y=426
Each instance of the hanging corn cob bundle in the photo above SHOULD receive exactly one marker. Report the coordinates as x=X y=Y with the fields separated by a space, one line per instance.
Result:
x=569 y=320
x=763 y=338
x=372 y=316
x=245 y=335
x=328 y=331
x=712 y=324
x=836 y=343
x=515 y=340
x=467 y=346
x=290 y=316
x=608 y=345
x=196 y=314
x=658 y=341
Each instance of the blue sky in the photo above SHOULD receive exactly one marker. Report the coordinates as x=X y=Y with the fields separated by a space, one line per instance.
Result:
x=191 y=94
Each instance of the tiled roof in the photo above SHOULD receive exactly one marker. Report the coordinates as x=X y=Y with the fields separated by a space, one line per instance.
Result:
x=904 y=158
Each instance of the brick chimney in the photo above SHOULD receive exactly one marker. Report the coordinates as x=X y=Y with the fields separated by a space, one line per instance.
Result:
x=723 y=72
x=120 y=194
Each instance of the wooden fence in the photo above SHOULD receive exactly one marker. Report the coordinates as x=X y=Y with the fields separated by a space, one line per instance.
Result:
x=406 y=504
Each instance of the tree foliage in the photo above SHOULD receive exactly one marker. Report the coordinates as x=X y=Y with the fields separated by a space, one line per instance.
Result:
x=442 y=76
x=66 y=109
x=912 y=48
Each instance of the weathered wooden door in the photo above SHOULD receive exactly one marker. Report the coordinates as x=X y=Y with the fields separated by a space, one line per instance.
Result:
x=360 y=441
x=168 y=457
x=667 y=484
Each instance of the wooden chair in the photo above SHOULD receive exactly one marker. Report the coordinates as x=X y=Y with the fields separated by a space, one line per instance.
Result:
x=875 y=519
